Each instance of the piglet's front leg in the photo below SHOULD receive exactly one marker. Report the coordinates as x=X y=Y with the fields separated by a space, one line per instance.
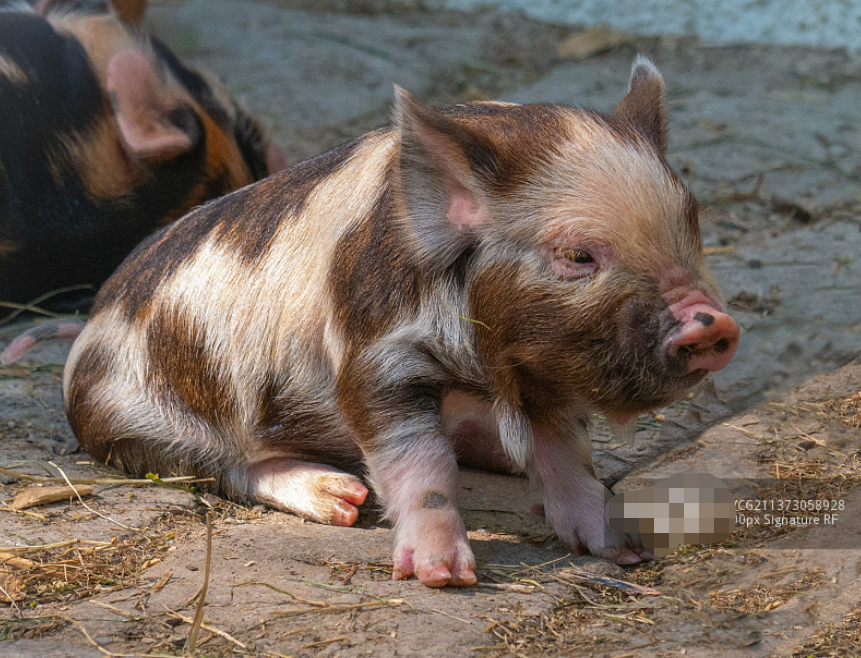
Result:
x=573 y=497
x=413 y=469
x=419 y=487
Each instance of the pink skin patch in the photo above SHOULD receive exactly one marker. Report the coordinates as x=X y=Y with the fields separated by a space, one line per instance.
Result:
x=469 y=424
x=38 y=334
x=467 y=208
x=708 y=336
x=68 y=330
x=464 y=211
x=275 y=159
x=433 y=546
x=16 y=349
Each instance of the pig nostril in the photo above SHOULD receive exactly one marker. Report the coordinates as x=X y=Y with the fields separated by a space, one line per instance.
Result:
x=721 y=346
x=705 y=318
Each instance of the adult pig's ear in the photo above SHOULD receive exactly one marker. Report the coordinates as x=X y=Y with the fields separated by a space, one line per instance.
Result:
x=644 y=105
x=443 y=170
x=154 y=124
x=130 y=12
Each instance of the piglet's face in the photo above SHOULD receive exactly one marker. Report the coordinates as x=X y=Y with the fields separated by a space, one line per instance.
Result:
x=638 y=316
x=589 y=271
x=601 y=328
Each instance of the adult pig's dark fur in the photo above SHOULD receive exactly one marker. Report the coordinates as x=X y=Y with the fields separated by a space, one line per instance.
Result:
x=105 y=136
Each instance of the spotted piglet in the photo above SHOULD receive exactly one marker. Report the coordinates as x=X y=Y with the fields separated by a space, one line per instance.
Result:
x=465 y=285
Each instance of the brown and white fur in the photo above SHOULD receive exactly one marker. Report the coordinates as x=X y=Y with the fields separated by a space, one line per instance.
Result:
x=466 y=285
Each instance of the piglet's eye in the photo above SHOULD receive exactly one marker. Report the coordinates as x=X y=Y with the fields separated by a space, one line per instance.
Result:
x=577 y=256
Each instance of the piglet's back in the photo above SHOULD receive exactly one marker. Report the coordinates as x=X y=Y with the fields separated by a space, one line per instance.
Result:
x=270 y=238
x=202 y=313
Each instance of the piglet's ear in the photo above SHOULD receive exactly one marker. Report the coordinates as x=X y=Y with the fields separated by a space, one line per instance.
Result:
x=153 y=123
x=444 y=168
x=644 y=104
x=130 y=11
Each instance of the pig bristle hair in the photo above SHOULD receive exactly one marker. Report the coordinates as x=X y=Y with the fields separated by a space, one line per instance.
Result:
x=515 y=434
x=402 y=98
x=643 y=62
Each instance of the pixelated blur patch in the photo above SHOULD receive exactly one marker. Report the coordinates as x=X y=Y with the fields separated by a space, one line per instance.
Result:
x=687 y=508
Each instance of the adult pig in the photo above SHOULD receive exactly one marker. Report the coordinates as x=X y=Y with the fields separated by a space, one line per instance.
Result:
x=105 y=136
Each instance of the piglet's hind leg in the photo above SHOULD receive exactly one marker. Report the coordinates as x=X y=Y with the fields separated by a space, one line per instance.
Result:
x=314 y=491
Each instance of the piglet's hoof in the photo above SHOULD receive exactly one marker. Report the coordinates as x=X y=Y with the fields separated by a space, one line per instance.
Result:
x=634 y=553
x=624 y=556
x=314 y=491
x=433 y=547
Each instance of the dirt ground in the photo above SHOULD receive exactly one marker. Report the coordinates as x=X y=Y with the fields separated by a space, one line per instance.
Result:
x=770 y=141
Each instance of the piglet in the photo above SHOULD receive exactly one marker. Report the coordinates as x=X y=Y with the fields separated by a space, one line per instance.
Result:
x=105 y=136
x=464 y=285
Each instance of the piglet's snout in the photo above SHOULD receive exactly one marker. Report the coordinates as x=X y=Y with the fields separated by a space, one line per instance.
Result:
x=707 y=337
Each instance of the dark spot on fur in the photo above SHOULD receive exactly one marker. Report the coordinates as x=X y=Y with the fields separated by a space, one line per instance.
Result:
x=156 y=258
x=303 y=425
x=249 y=231
x=520 y=136
x=110 y=445
x=503 y=144
x=245 y=222
x=373 y=279
x=371 y=400
x=434 y=500
x=706 y=319
x=183 y=370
